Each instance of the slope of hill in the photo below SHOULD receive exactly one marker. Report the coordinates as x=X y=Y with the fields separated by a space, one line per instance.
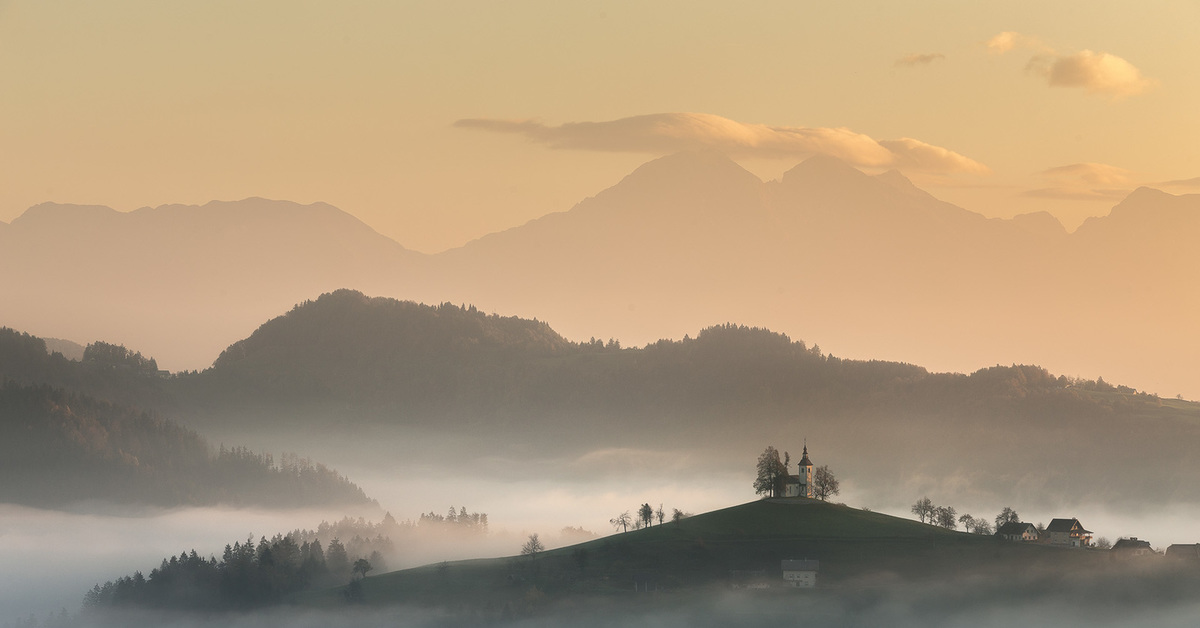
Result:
x=869 y=563
x=64 y=440
x=59 y=449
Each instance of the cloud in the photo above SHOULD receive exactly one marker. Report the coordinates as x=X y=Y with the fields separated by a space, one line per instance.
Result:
x=914 y=60
x=1090 y=174
x=1194 y=182
x=1085 y=182
x=663 y=133
x=1097 y=72
x=1094 y=71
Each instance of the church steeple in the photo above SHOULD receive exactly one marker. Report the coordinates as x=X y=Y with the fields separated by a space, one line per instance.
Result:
x=804 y=471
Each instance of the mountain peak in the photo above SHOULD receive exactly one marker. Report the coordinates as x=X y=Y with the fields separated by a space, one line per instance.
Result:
x=704 y=168
x=824 y=168
x=58 y=215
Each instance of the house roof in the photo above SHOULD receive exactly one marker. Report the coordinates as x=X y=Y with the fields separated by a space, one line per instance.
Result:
x=1180 y=550
x=800 y=565
x=1015 y=527
x=1066 y=525
x=1131 y=544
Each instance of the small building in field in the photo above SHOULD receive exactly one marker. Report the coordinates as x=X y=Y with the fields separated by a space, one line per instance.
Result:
x=1067 y=532
x=801 y=484
x=1017 y=531
x=1184 y=551
x=1131 y=546
x=801 y=574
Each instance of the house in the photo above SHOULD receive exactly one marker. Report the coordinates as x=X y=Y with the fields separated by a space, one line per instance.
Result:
x=1184 y=552
x=1067 y=532
x=1131 y=546
x=801 y=484
x=1017 y=531
x=801 y=574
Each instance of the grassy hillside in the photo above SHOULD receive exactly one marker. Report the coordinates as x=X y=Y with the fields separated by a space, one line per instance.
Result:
x=856 y=549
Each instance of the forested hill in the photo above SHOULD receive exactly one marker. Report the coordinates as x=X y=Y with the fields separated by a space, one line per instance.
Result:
x=511 y=387
x=345 y=345
x=59 y=448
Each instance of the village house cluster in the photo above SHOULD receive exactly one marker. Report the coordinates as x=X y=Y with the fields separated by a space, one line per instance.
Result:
x=1071 y=533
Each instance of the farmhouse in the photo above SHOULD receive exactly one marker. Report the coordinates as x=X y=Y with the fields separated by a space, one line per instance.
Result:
x=1184 y=551
x=1017 y=531
x=1067 y=532
x=801 y=484
x=1131 y=546
x=801 y=574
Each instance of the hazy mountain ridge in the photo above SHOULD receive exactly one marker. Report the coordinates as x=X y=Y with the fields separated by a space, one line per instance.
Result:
x=60 y=449
x=60 y=446
x=728 y=389
x=870 y=264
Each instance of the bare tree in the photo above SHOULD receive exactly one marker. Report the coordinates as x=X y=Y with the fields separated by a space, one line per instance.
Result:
x=944 y=517
x=659 y=514
x=677 y=515
x=1008 y=515
x=825 y=485
x=622 y=521
x=923 y=509
x=646 y=515
x=532 y=546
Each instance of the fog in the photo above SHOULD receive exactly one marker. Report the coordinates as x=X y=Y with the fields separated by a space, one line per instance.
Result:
x=48 y=559
x=914 y=607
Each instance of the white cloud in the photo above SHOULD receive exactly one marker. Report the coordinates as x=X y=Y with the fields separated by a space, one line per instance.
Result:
x=914 y=60
x=1089 y=174
x=1084 y=181
x=1097 y=72
x=663 y=133
x=1194 y=182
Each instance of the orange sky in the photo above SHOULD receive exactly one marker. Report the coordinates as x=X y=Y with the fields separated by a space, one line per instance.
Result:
x=1064 y=106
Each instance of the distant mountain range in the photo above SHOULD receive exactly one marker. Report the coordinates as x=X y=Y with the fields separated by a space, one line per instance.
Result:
x=865 y=265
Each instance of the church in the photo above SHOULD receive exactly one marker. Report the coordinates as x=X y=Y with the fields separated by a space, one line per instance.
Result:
x=801 y=484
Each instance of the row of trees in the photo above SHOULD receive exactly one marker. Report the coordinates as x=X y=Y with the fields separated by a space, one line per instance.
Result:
x=772 y=476
x=246 y=576
x=644 y=517
x=947 y=517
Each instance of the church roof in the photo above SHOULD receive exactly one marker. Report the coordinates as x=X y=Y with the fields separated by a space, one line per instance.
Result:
x=805 y=462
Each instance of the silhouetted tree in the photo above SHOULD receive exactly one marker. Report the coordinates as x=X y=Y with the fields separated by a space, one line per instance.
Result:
x=771 y=474
x=646 y=515
x=944 y=517
x=1008 y=515
x=532 y=546
x=924 y=509
x=361 y=567
x=825 y=485
x=621 y=521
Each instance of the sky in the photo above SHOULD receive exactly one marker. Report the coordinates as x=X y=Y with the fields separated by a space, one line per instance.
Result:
x=437 y=123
